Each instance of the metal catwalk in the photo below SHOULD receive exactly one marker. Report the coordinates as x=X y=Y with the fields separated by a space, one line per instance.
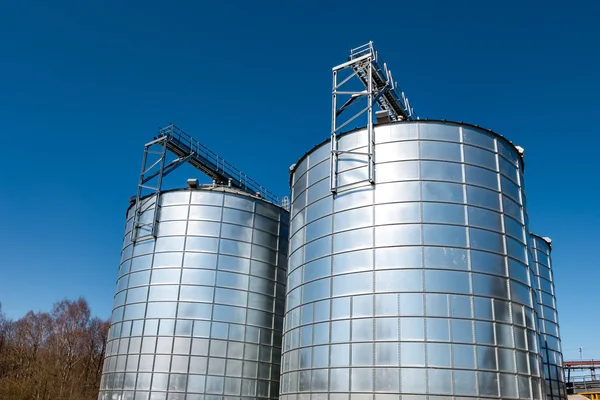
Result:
x=171 y=139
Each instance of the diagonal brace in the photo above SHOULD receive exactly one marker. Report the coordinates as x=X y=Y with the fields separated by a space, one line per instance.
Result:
x=169 y=168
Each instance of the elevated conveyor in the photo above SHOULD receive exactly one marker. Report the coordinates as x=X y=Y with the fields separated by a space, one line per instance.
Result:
x=186 y=149
x=383 y=84
x=364 y=64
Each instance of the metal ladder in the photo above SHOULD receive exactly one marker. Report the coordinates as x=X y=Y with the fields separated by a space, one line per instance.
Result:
x=380 y=88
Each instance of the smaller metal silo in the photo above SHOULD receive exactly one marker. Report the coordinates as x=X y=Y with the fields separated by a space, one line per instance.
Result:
x=551 y=351
x=198 y=311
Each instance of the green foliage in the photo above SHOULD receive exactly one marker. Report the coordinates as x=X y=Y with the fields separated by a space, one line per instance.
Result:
x=52 y=356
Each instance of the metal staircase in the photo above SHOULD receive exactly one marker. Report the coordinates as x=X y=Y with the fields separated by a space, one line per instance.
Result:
x=186 y=149
x=364 y=64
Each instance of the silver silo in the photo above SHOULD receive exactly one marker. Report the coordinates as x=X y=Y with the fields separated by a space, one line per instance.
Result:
x=416 y=286
x=198 y=311
x=551 y=350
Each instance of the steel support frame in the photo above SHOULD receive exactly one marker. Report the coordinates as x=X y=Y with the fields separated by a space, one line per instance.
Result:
x=362 y=64
x=152 y=170
x=172 y=140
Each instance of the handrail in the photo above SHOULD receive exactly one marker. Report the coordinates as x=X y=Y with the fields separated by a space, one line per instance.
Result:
x=214 y=165
x=395 y=103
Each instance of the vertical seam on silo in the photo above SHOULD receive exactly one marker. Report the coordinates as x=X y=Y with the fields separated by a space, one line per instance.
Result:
x=422 y=266
x=469 y=266
x=156 y=202
x=534 y=273
x=531 y=271
x=399 y=342
x=246 y=310
x=274 y=309
x=300 y=305
x=212 y=305
x=283 y=373
x=137 y=367
x=373 y=288
x=505 y=260
x=278 y=272
x=293 y=347
x=494 y=326
x=330 y=318
x=506 y=256
x=189 y=350
x=260 y=330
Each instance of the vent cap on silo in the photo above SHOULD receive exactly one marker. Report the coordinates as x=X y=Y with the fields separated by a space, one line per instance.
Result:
x=382 y=117
x=192 y=183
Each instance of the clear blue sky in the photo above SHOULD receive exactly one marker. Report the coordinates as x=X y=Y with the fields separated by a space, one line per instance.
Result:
x=85 y=84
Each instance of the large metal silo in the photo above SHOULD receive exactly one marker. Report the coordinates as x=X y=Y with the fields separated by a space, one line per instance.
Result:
x=551 y=350
x=198 y=311
x=415 y=286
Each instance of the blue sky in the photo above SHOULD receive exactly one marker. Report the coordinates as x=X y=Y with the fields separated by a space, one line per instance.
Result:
x=86 y=84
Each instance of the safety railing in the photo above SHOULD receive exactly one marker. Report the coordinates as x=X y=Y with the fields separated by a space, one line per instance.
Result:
x=214 y=165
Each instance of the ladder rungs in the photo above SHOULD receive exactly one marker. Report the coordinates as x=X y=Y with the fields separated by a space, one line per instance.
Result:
x=361 y=153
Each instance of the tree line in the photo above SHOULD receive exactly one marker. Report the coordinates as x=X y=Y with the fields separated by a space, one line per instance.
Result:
x=54 y=355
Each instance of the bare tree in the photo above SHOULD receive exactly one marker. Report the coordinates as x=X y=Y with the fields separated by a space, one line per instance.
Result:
x=52 y=356
x=4 y=329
